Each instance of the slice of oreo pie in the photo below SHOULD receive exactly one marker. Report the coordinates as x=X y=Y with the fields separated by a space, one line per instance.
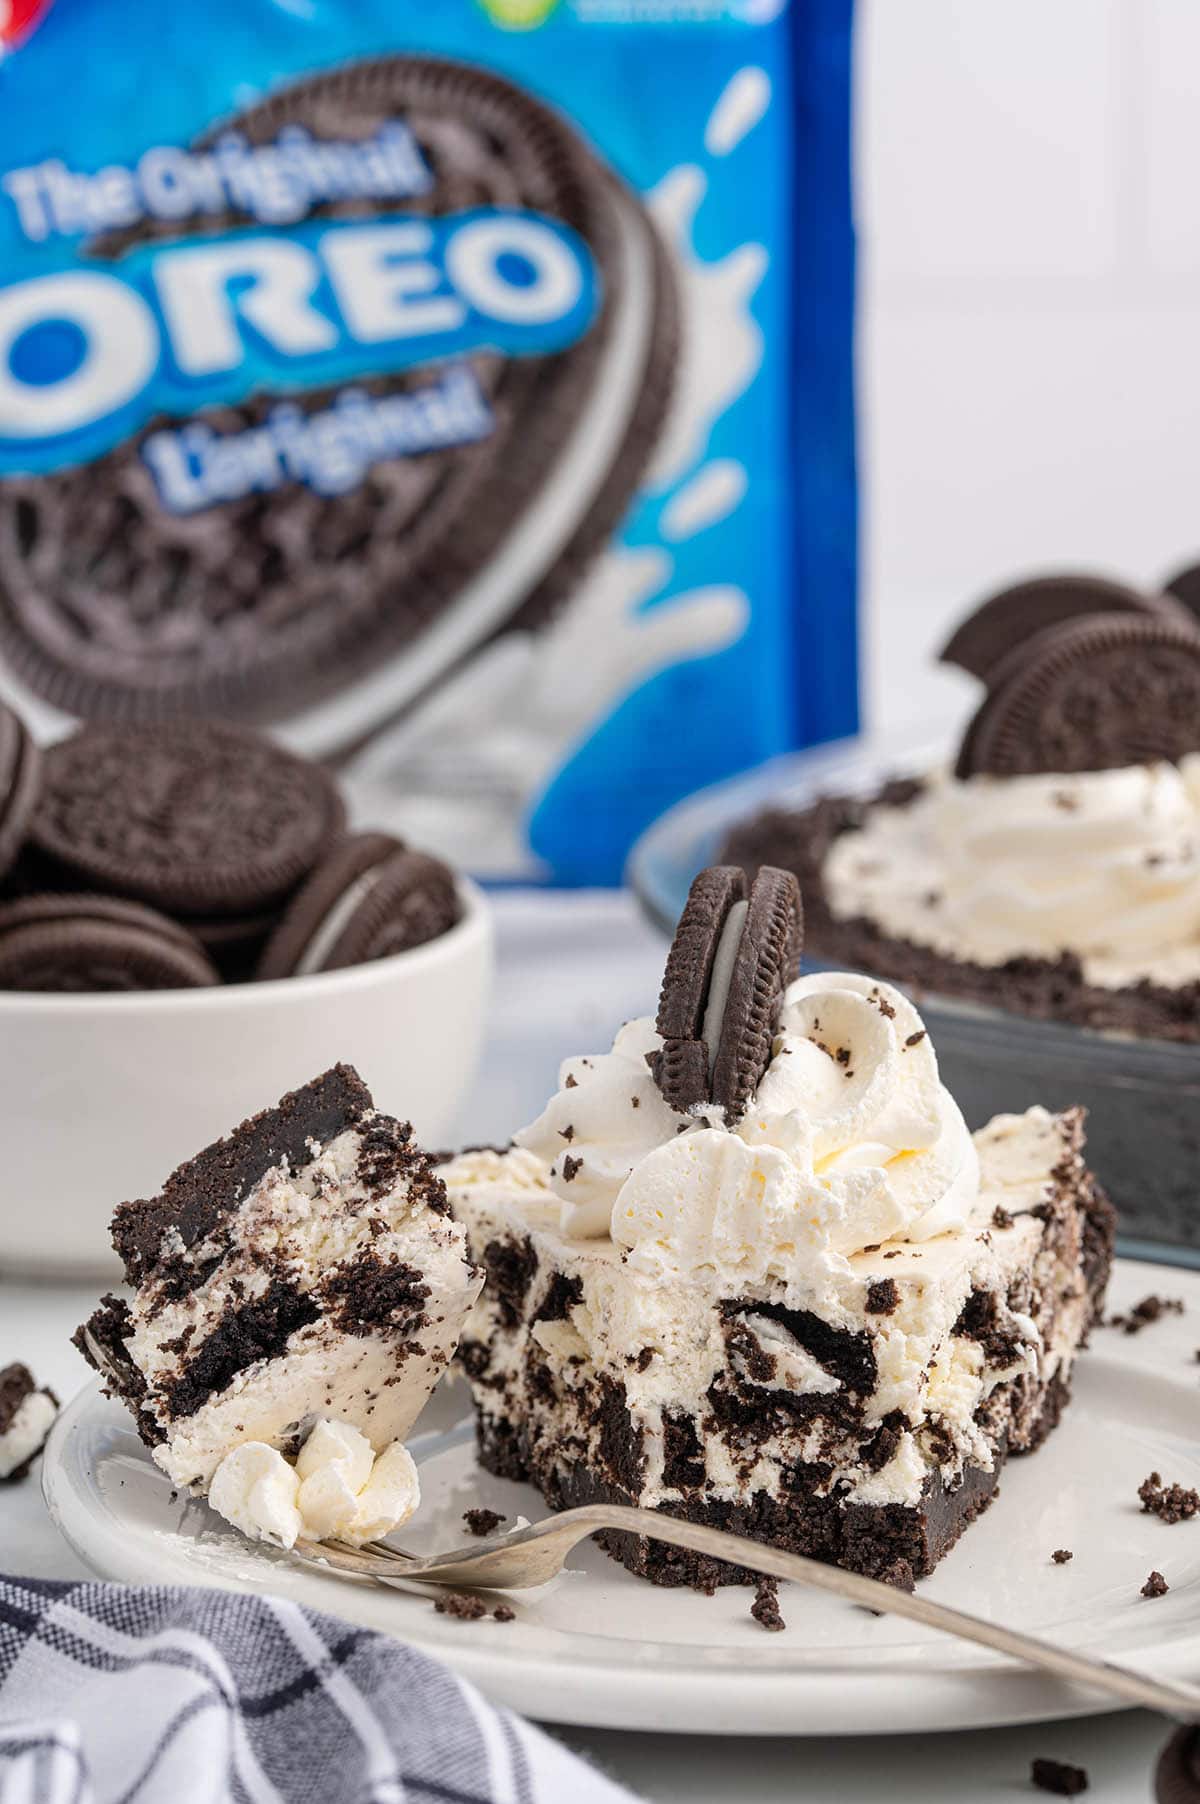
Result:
x=731 y=960
x=335 y=611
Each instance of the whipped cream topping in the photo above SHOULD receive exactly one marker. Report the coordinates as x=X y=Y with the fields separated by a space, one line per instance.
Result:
x=851 y=1140
x=338 y=1489
x=1105 y=864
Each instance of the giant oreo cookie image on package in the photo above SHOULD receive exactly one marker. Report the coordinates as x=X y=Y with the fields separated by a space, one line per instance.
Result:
x=276 y=557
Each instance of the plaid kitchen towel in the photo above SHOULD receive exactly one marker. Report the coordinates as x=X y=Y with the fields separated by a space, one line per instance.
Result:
x=110 y=1693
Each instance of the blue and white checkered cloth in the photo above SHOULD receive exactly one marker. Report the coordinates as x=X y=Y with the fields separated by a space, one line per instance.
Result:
x=165 y=1696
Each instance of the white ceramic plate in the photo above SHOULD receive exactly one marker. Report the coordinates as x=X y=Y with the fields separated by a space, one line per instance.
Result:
x=600 y=1648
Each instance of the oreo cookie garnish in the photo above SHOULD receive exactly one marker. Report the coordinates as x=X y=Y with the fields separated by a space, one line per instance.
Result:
x=70 y=943
x=195 y=817
x=20 y=771
x=731 y=960
x=370 y=897
x=1092 y=694
x=1008 y=619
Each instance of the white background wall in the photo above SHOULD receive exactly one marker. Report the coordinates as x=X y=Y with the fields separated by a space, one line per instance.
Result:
x=1029 y=351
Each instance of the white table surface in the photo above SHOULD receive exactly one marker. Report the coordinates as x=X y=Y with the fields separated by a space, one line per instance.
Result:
x=550 y=1003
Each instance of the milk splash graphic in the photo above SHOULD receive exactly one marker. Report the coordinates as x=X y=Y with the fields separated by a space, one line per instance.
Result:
x=465 y=770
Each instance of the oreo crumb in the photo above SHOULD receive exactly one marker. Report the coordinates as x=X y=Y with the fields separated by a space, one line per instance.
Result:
x=635 y=1102
x=571 y=1083
x=570 y=1167
x=504 y=1613
x=461 y=1605
x=643 y=1359
x=765 y=1608
x=1151 y=1309
x=915 y=1039
x=1001 y=1218
x=1057 y=1777
x=883 y=1298
x=1170 y=1503
x=482 y=1521
x=1061 y=1555
x=1155 y=1586
x=567 y=1133
x=899 y=1574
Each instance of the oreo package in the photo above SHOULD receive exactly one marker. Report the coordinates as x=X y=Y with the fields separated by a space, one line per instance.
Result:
x=462 y=391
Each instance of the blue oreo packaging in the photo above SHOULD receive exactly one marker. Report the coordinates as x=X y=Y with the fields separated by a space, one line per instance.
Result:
x=462 y=391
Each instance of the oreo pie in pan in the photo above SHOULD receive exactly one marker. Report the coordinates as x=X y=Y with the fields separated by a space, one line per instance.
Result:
x=1054 y=870
x=501 y=342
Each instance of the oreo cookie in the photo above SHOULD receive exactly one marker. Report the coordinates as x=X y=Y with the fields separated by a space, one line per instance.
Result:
x=370 y=897
x=73 y=943
x=1007 y=620
x=731 y=960
x=20 y=775
x=1092 y=694
x=1184 y=587
x=146 y=584
x=197 y=818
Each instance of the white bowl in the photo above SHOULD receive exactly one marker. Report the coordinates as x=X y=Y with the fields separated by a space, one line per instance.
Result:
x=102 y=1096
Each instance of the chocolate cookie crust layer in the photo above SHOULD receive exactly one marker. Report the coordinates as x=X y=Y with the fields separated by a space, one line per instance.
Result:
x=799 y=840
x=886 y=1542
x=199 y=1194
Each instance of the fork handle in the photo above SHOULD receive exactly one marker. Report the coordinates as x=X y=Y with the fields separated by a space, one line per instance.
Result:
x=533 y=1555
x=1180 y=1702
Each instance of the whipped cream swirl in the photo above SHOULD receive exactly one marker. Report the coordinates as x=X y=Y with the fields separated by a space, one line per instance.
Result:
x=850 y=1140
x=1105 y=864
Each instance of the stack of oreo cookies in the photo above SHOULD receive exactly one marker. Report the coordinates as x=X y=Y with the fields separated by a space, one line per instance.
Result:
x=189 y=854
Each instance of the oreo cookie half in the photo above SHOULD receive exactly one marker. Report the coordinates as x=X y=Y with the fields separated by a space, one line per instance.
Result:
x=337 y=610
x=198 y=818
x=1006 y=620
x=20 y=774
x=732 y=958
x=369 y=898
x=1184 y=587
x=1092 y=694
x=717 y=896
x=96 y=943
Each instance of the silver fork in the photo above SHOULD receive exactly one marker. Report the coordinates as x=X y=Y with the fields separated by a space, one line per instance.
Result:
x=531 y=1556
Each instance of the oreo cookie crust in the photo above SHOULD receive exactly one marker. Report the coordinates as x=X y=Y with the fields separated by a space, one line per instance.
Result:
x=1093 y=694
x=113 y=607
x=369 y=898
x=20 y=775
x=198 y=818
x=70 y=943
x=1008 y=619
